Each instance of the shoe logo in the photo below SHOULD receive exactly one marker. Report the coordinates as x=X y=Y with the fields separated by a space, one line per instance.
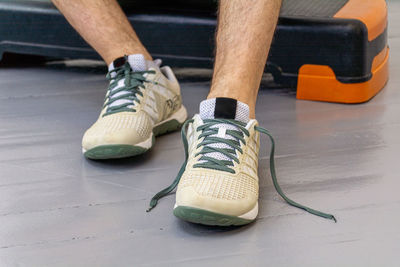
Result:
x=173 y=103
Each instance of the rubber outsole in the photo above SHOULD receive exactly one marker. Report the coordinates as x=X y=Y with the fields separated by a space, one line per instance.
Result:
x=200 y=216
x=114 y=151
x=124 y=151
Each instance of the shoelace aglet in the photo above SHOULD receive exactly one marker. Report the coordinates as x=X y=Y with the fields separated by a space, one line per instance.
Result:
x=324 y=215
x=153 y=204
x=331 y=217
x=310 y=210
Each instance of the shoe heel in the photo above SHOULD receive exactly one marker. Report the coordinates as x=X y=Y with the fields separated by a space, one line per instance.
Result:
x=172 y=125
x=167 y=127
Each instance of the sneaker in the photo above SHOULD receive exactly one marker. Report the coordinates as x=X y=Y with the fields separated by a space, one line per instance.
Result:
x=218 y=182
x=142 y=101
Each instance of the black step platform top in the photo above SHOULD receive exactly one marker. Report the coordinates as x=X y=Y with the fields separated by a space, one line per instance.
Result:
x=290 y=8
x=311 y=8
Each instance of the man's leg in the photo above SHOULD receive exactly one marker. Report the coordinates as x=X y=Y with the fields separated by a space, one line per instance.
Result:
x=219 y=184
x=103 y=24
x=244 y=35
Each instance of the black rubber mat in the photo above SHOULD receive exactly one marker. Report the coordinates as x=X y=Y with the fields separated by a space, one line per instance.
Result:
x=311 y=8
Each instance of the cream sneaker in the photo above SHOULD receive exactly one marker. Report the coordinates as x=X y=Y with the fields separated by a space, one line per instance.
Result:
x=142 y=101
x=218 y=183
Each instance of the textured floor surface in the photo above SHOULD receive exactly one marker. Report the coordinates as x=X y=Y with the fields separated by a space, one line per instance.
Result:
x=59 y=209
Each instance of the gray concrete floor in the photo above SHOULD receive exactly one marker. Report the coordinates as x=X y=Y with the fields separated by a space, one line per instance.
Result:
x=59 y=209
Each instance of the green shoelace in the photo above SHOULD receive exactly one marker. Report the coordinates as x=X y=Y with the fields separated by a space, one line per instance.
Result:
x=209 y=132
x=132 y=84
x=225 y=165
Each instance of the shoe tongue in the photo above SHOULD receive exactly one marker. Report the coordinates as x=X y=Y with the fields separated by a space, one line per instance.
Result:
x=224 y=108
x=136 y=61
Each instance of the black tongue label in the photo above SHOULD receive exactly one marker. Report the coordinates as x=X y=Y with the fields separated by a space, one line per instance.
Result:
x=225 y=108
x=119 y=62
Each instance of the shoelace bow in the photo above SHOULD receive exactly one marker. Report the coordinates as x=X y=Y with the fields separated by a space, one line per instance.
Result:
x=224 y=165
x=134 y=81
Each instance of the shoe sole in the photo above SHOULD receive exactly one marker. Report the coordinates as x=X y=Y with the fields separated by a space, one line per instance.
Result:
x=115 y=151
x=201 y=216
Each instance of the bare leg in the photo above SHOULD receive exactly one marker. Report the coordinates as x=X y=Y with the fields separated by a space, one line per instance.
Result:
x=103 y=24
x=244 y=35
